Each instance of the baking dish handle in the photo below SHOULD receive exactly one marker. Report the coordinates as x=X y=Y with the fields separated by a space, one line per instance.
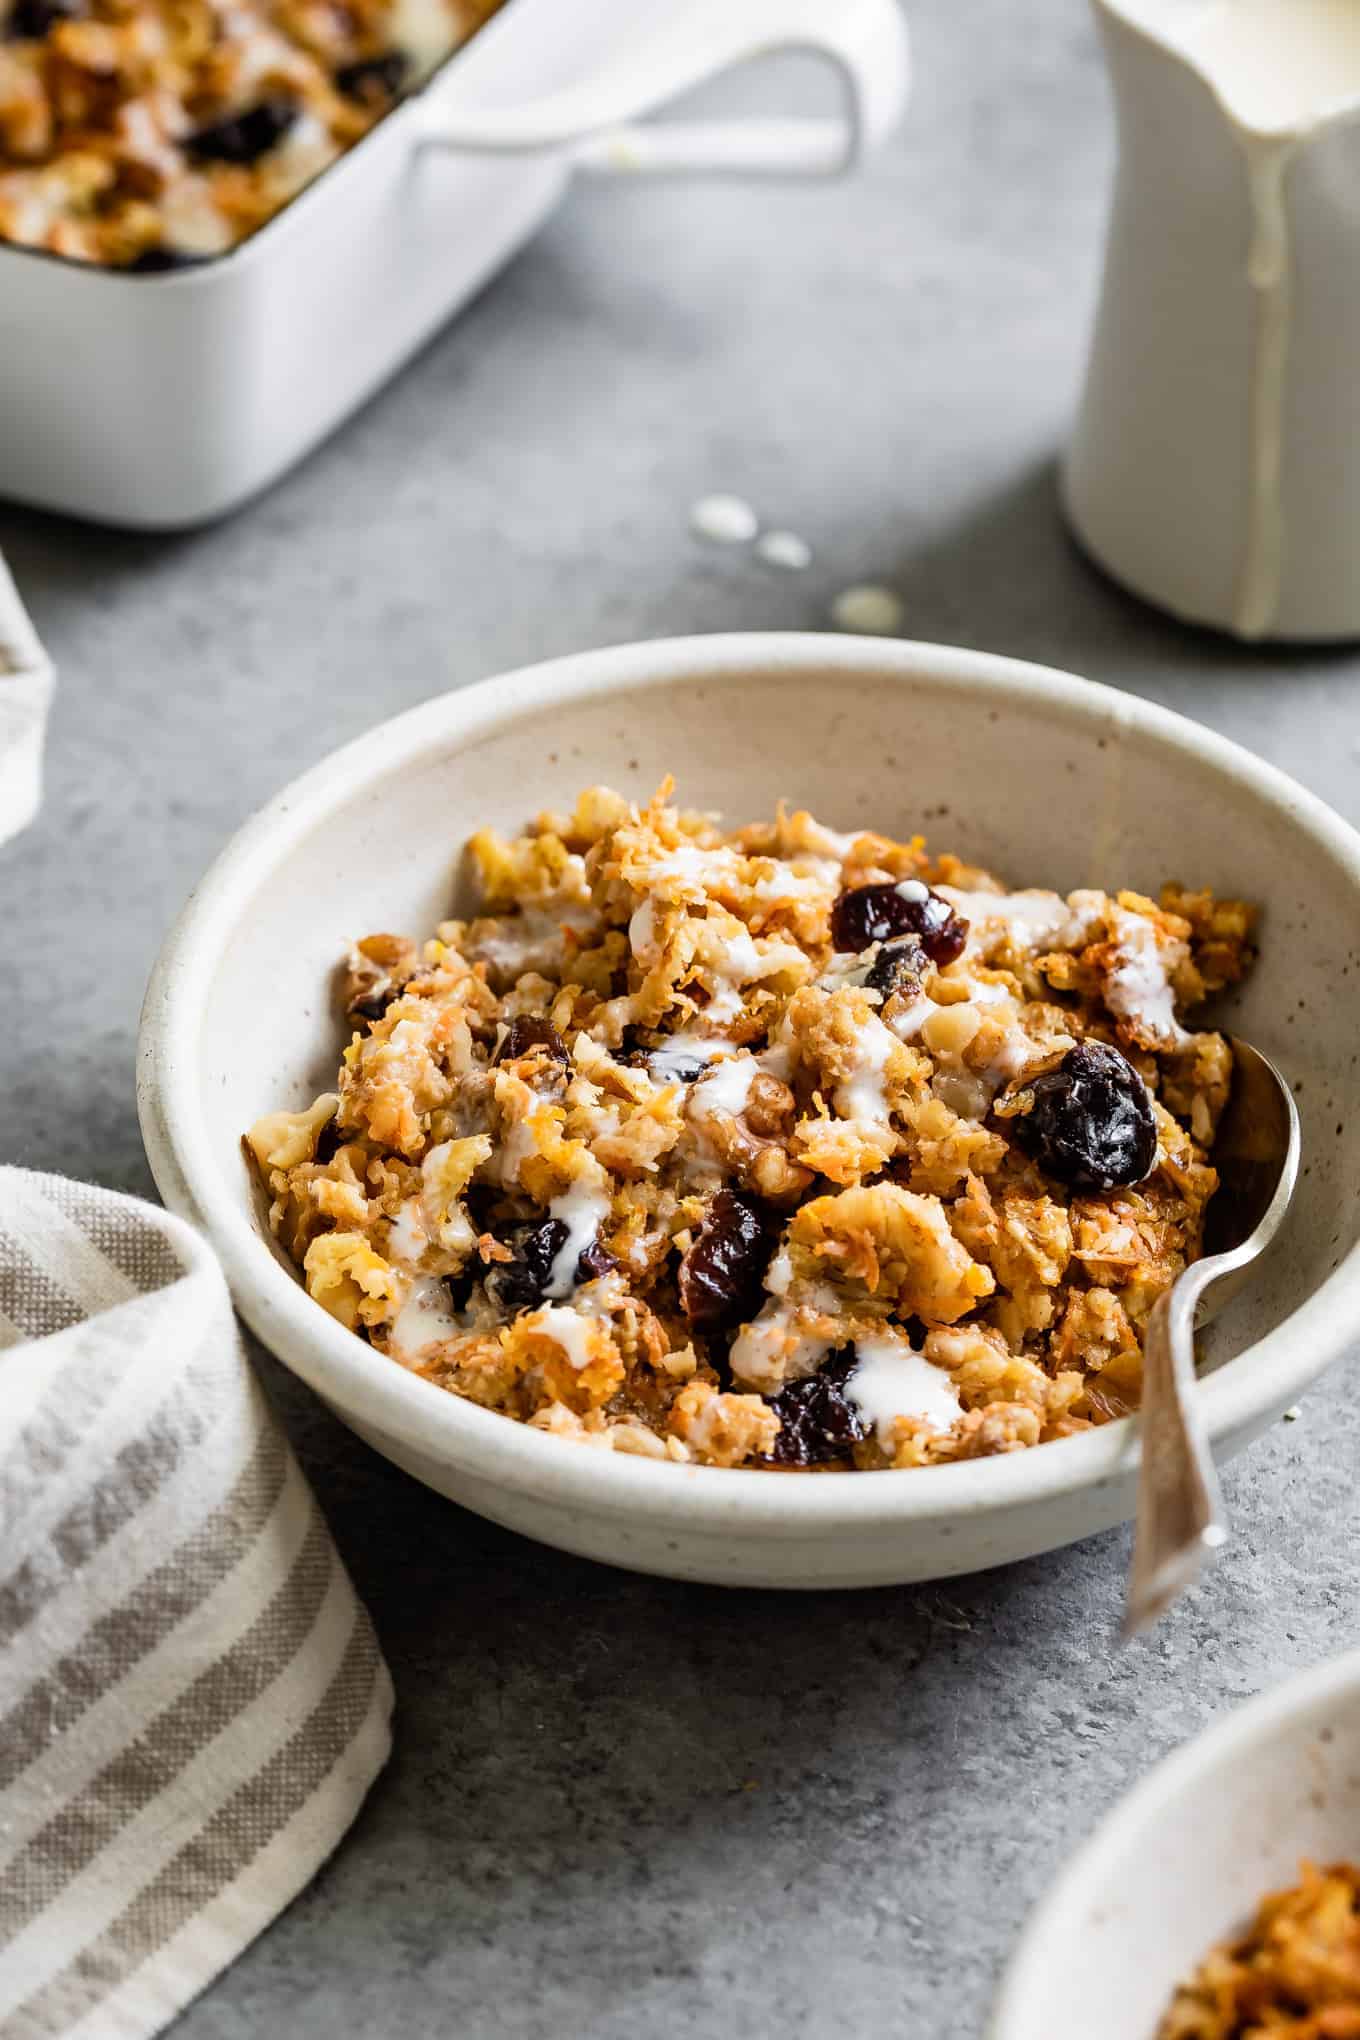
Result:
x=866 y=40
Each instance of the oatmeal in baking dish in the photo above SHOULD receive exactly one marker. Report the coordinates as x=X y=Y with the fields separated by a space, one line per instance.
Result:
x=148 y=134
x=768 y=1148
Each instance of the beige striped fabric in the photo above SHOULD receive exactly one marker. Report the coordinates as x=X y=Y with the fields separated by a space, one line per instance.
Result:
x=192 y=1701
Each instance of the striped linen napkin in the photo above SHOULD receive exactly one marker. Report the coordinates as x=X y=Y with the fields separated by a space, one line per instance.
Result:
x=192 y=1701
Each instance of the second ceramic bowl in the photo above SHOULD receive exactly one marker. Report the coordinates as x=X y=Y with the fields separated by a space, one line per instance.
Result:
x=1184 y=1861
x=1048 y=779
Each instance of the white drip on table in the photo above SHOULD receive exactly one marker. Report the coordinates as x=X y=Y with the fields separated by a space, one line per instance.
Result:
x=724 y=520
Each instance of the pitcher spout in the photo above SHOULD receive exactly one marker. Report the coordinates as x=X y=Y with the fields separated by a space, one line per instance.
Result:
x=1276 y=67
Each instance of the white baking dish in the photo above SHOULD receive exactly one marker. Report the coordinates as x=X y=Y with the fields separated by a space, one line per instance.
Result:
x=25 y=690
x=162 y=400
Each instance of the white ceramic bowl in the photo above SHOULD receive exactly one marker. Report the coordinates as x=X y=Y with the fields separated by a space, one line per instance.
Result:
x=1184 y=1860
x=1048 y=778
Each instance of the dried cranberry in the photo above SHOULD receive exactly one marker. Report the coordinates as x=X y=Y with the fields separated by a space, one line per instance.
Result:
x=722 y=1275
x=1090 y=1121
x=897 y=967
x=523 y=1282
x=528 y=1032
x=245 y=136
x=876 y=913
x=373 y=80
x=817 y=1420
x=31 y=19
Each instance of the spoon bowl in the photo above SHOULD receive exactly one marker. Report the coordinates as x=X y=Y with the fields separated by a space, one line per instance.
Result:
x=1256 y=1154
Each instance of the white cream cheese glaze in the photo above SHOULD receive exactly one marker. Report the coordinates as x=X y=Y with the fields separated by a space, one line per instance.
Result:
x=723 y=1093
x=861 y=1096
x=891 y=1380
x=425 y=1318
x=582 y=1210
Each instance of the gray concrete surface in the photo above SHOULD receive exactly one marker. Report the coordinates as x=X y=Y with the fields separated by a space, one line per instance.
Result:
x=617 y=1805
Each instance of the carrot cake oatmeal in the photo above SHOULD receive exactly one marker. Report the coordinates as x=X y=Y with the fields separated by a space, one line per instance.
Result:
x=1294 y=1974
x=150 y=134
x=775 y=1147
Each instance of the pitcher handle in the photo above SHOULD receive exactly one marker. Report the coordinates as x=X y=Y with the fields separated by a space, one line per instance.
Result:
x=865 y=40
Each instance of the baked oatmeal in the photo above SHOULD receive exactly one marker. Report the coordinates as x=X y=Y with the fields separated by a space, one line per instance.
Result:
x=1294 y=1974
x=150 y=134
x=775 y=1147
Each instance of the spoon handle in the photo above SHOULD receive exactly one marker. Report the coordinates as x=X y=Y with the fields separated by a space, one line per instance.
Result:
x=1180 y=1512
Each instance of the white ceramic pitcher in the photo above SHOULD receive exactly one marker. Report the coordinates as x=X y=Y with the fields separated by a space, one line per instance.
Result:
x=1215 y=465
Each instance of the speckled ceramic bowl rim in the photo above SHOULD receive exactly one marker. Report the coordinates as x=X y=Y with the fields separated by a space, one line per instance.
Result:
x=1228 y=1743
x=362 y=1384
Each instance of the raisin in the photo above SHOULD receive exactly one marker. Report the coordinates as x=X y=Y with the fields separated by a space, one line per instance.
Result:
x=461 y=1286
x=245 y=136
x=632 y=1052
x=373 y=80
x=897 y=968
x=1090 y=1121
x=156 y=261
x=595 y=1260
x=876 y=913
x=31 y=19
x=523 y=1282
x=722 y=1276
x=329 y=1142
x=528 y=1032
x=371 y=1005
x=817 y=1420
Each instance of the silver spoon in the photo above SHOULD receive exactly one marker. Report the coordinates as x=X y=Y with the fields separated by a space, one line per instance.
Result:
x=1180 y=1511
